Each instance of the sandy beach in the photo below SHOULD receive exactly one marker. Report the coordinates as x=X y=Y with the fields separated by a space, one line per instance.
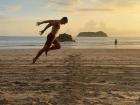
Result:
x=70 y=77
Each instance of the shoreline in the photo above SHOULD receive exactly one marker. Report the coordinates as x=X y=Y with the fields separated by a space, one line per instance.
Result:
x=84 y=43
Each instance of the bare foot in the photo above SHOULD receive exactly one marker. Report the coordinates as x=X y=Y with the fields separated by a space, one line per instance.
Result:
x=34 y=60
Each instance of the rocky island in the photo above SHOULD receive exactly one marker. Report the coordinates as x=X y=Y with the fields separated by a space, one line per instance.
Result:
x=92 y=34
x=65 y=37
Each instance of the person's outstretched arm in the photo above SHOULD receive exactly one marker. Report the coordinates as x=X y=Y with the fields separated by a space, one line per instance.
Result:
x=41 y=32
x=46 y=21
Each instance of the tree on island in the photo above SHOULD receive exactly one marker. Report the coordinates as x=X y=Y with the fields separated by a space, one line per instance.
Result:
x=92 y=34
x=65 y=37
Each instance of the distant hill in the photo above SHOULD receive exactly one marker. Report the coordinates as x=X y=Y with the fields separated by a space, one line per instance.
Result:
x=92 y=34
x=65 y=37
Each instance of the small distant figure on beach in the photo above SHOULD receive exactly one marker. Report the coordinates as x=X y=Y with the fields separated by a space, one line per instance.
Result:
x=116 y=42
x=51 y=43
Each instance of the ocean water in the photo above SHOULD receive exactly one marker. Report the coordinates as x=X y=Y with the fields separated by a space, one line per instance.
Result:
x=19 y=42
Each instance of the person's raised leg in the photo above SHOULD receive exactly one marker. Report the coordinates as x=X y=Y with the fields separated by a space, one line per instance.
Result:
x=56 y=45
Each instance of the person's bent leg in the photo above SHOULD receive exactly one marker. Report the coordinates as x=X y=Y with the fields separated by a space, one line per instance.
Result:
x=56 y=45
x=50 y=40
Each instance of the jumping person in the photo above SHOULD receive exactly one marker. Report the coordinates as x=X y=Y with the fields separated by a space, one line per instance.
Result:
x=51 y=43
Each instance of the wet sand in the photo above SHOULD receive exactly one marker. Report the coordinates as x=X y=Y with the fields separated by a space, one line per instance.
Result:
x=70 y=77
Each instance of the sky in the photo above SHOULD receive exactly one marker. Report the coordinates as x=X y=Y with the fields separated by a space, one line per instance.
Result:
x=115 y=17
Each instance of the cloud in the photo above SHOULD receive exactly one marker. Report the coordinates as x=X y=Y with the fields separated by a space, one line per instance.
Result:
x=119 y=3
x=73 y=6
x=10 y=9
x=94 y=9
x=2 y=17
x=92 y=25
x=60 y=5
x=88 y=5
x=95 y=2
x=13 y=9
x=6 y=10
x=64 y=2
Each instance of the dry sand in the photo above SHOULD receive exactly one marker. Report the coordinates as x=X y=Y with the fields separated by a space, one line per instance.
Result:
x=70 y=77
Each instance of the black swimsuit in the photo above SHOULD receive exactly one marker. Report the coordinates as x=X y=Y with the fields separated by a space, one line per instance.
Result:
x=50 y=39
